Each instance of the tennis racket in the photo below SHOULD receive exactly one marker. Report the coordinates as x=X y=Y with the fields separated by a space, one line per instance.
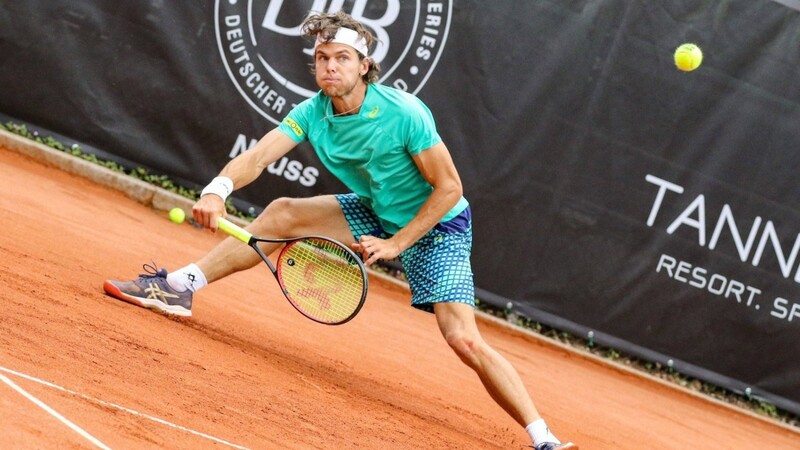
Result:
x=321 y=277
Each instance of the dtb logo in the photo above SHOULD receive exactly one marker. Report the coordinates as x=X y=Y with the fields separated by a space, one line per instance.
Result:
x=268 y=60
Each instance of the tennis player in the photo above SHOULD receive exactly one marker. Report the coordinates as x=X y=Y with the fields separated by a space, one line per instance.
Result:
x=406 y=201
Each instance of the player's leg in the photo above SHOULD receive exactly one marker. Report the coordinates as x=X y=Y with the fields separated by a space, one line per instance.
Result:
x=503 y=383
x=440 y=275
x=283 y=218
x=457 y=324
x=171 y=293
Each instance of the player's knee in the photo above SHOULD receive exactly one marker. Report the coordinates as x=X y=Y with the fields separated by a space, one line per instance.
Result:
x=465 y=345
x=276 y=217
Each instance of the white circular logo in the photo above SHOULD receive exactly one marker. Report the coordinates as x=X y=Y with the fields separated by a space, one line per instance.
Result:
x=267 y=58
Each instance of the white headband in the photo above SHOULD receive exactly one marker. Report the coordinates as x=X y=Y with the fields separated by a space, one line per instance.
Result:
x=349 y=37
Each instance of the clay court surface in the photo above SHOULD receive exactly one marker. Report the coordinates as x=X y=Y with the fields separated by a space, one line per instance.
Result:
x=249 y=372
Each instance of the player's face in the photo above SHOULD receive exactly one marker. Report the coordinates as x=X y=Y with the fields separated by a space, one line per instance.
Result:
x=338 y=69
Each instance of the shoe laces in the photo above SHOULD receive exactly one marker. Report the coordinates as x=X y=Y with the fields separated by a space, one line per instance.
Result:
x=152 y=271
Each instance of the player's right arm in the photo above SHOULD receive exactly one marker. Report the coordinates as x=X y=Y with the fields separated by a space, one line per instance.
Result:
x=246 y=167
x=243 y=170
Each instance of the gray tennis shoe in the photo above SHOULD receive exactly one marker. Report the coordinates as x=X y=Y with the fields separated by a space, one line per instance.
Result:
x=152 y=291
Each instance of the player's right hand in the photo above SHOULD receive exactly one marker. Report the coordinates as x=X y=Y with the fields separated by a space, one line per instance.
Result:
x=207 y=210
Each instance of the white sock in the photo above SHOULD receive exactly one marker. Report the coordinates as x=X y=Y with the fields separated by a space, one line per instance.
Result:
x=188 y=278
x=540 y=433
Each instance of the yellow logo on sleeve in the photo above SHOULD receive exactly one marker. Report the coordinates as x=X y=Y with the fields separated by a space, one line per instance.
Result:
x=294 y=126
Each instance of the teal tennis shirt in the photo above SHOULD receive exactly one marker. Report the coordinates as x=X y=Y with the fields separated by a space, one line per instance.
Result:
x=370 y=152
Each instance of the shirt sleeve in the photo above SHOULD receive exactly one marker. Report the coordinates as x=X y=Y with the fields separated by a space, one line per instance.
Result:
x=421 y=128
x=295 y=124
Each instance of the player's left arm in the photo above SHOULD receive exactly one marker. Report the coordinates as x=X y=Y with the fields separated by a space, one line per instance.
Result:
x=437 y=167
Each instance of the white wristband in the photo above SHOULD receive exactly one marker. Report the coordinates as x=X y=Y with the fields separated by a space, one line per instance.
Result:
x=221 y=186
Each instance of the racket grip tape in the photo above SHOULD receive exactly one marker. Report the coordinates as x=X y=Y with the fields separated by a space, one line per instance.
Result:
x=234 y=230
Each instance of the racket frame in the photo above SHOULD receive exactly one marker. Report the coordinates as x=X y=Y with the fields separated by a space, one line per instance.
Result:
x=248 y=238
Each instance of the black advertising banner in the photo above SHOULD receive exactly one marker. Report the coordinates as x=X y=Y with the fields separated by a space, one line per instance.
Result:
x=612 y=193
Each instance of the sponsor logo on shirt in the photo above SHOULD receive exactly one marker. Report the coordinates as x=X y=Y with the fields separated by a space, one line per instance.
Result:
x=294 y=126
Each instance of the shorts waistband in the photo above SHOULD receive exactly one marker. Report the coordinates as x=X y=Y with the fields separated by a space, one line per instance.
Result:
x=457 y=224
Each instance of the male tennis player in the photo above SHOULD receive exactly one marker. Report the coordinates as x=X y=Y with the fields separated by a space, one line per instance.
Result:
x=383 y=145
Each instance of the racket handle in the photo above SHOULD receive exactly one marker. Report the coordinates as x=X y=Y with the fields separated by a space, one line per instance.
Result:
x=234 y=230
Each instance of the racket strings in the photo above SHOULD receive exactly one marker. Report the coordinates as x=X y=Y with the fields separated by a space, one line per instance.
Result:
x=322 y=279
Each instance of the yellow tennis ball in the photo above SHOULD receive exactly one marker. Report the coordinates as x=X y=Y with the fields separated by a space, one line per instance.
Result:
x=688 y=57
x=177 y=215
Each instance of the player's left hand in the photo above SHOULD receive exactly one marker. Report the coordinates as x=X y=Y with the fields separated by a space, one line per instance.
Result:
x=374 y=248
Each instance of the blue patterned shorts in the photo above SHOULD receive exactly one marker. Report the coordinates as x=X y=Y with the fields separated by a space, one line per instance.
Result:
x=437 y=266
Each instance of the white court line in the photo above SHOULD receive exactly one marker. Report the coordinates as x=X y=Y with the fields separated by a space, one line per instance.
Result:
x=53 y=413
x=121 y=408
